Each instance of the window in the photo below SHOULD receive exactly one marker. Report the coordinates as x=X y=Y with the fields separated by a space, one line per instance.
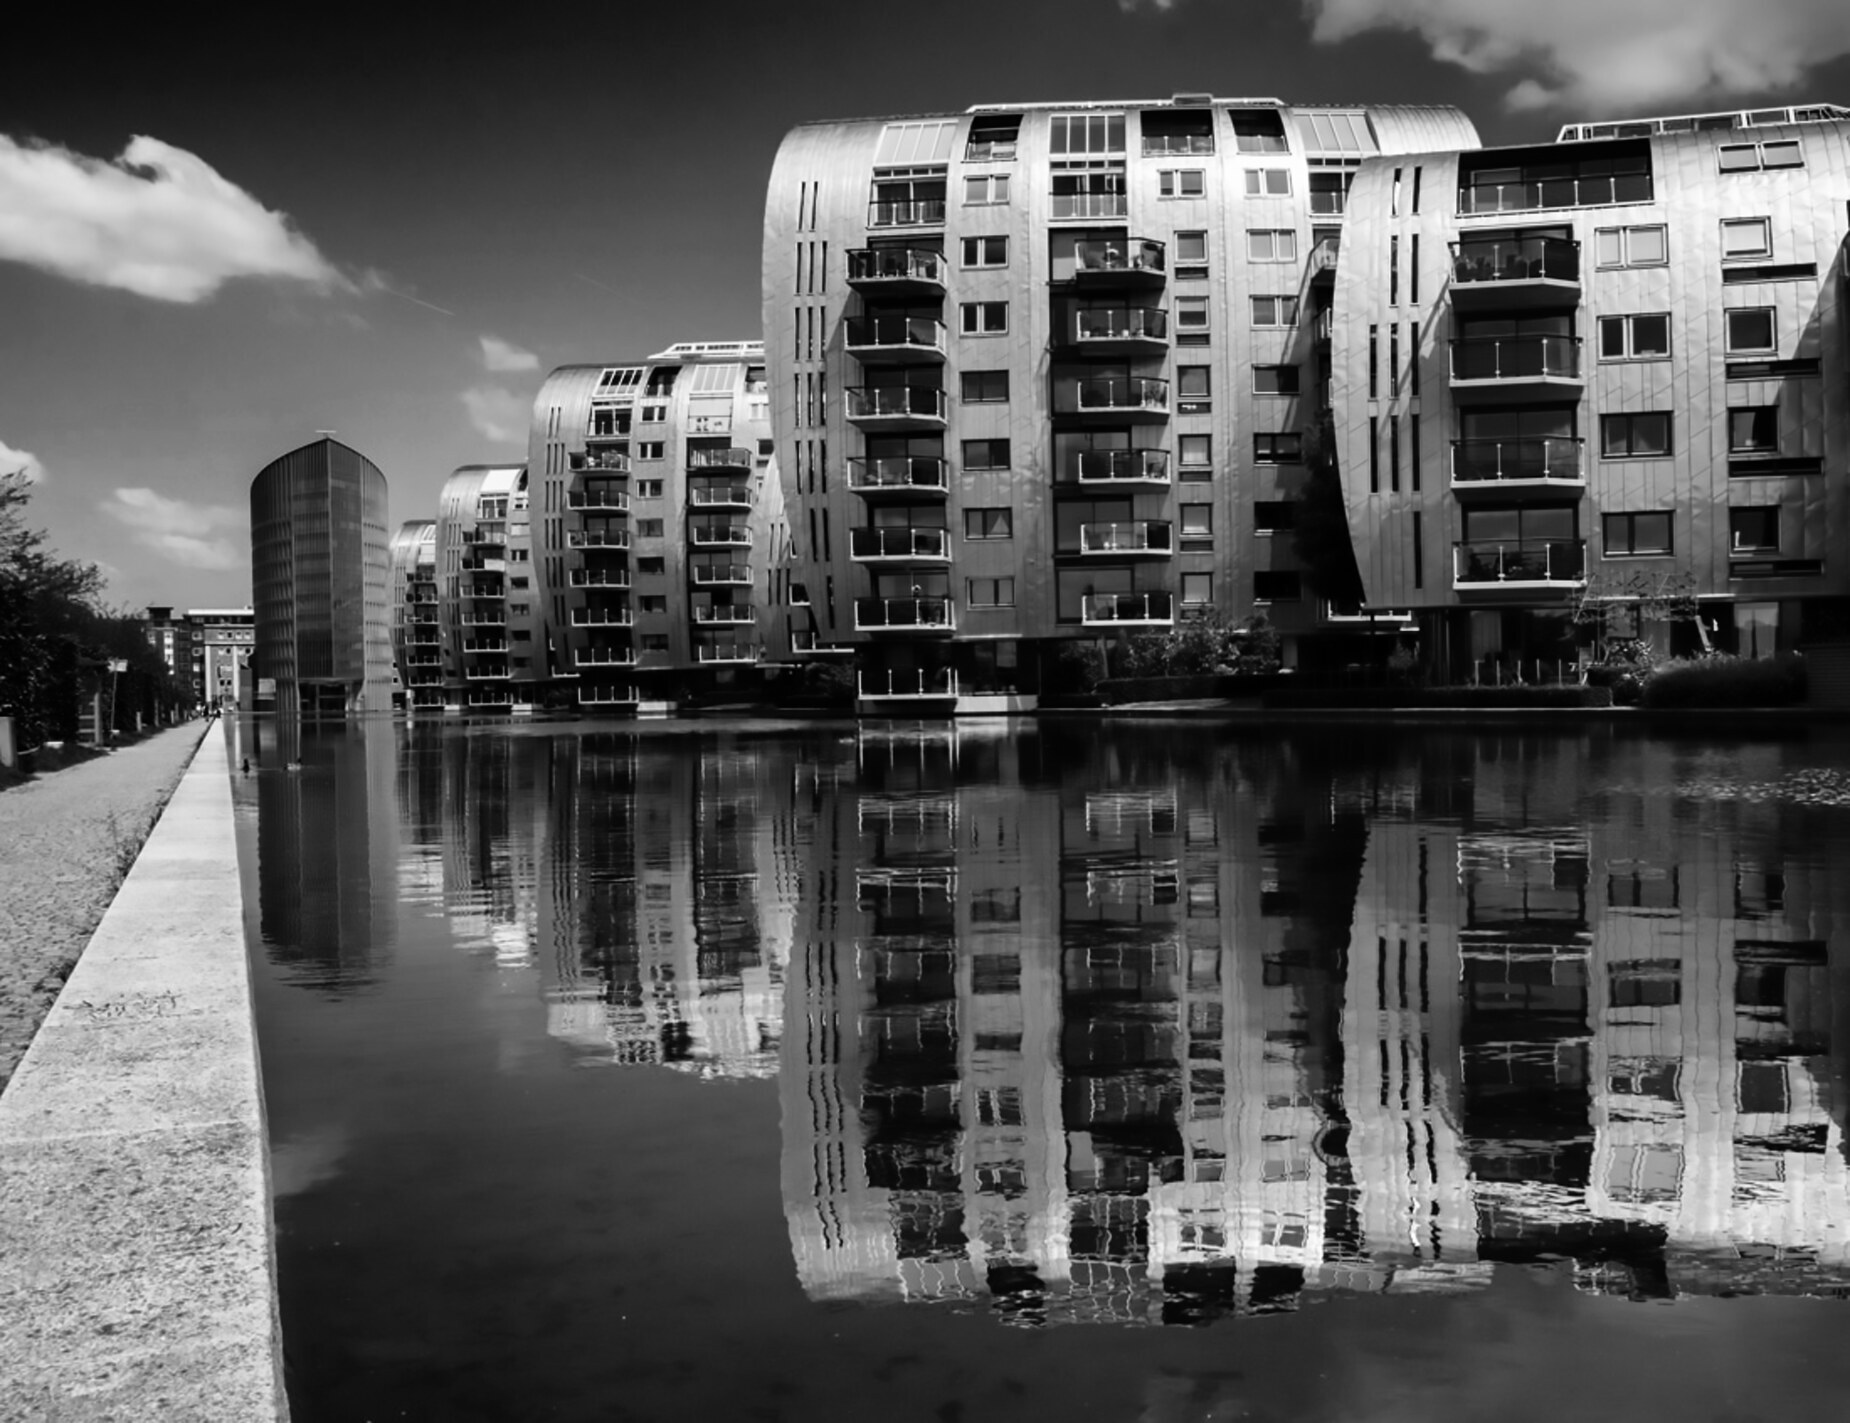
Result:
x=1751 y=329
x=648 y=489
x=1197 y=522
x=655 y=642
x=1751 y=157
x=653 y=603
x=1754 y=529
x=1182 y=182
x=1195 y=451
x=985 y=387
x=986 y=454
x=1271 y=244
x=988 y=524
x=1630 y=534
x=1191 y=255
x=1329 y=193
x=1286 y=447
x=1631 y=246
x=647 y=566
x=990 y=592
x=1745 y=238
x=1275 y=380
x=651 y=450
x=1259 y=131
x=1640 y=433
x=1080 y=135
x=984 y=188
x=1753 y=429
x=986 y=251
x=1634 y=338
x=984 y=318
x=1274 y=516
x=1193 y=390
x=1197 y=590
x=992 y=138
x=1191 y=316
x=652 y=414
x=648 y=528
x=1277 y=586
x=1270 y=183
x=1275 y=311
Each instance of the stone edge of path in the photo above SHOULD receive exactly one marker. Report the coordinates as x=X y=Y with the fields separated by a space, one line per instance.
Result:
x=137 y=1249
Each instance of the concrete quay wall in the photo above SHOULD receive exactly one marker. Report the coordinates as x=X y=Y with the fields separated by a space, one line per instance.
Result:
x=137 y=1260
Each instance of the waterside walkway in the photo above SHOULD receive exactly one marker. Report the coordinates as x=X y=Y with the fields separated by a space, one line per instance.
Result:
x=136 y=1256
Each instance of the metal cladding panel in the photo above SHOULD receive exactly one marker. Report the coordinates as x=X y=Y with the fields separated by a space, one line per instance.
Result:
x=1421 y=128
x=1805 y=212
x=561 y=411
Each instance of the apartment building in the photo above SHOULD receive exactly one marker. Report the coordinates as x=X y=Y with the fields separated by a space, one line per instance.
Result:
x=486 y=597
x=207 y=648
x=417 y=629
x=659 y=526
x=1607 y=371
x=1042 y=373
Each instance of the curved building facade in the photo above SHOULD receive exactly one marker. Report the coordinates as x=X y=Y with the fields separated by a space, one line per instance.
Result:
x=417 y=632
x=484 y=554
x=319 y=570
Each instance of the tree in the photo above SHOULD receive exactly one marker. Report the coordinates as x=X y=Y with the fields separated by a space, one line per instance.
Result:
x=1320 y=534
x=1610 y=607
x=47 y=610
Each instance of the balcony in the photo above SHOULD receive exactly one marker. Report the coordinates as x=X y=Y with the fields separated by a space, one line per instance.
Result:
x=1096 y=204
x=492 y=673
x=915 y=212
x=1355 y=615
x=718 y=533
x=1592 y=190
x=720 y=575
x=500 y=699
x=1504 y=274
x=725 y=650
x=725 y=615
x=899 y=545
x=605 y=657
x=936 y=684
x=1539 y=366
x=895 y=340
x=484 y=620
x=430 y=637
x=487 y=537
x=1323 y=259
x=1177 y=145
x=1141 y=537
x=590 y=695
x=1121 y=330
x=1120 y=397
x=899 y=476
x=602 y=461
x=1123 y=469
x=598 y=501
x=902 y=271
x=929 y=615
x=1128 y=610
x=1323 y=326
x=484 y=565
x=1520 y=565
x=598 y=577
x=606 y=540
x=474 y=645
x=1123 y=262
x=809 y=643
x=603 y=618
x=897 y=407
x=732 y=457
x=1549 y=462
x=719 y=496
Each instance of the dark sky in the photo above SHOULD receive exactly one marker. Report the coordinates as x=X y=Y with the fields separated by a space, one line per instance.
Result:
x=580 y=182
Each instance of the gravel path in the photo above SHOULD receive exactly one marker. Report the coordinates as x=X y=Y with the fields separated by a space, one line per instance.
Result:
x=66 y=841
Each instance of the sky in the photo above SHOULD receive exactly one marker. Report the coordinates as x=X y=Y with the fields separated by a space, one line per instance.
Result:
x=219 y=237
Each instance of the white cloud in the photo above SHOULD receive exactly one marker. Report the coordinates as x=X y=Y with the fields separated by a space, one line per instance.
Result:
x=189 y=534
x=499 y=414
x=157 y=221
x=503 y=356
x=1602 y=56
x=14 y=461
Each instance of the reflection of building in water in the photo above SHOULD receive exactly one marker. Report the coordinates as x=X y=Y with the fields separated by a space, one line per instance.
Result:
x=659 y=947
x=1079 y=1036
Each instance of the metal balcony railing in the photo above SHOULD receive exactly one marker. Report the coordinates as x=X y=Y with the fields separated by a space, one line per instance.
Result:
x=897 y=265
x=1596 y=190
x=1104 y=393
x=718 y=574
x=1120 y=323
x=922 y=334
x=892 y=614
x=896 y=402
x=602 y=617
x=1515 y=259
x=1157 y=607
x=901 y=543
x=917 y=212
x=1138 y=536
x=707 y=533
x=725 y=614
x=1119 y=256
x=613 y=501
x=712 y=496
x=731 y=457
x=1123 y=466
x=921 y=474
x=599 y=578
x=933 y=682
x=1515 y=358
x=613 y=539
x=1561 y=561
x=1548 y=457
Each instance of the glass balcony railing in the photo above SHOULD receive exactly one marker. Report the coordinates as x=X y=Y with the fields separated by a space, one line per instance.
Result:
x=929 y=682
x=918 y=334
x=598 y=500
x=918 y=212
x=483 y=620
x=1122 y=466
x=1069 y=205
x=605 y=657
x=725 y=614
x=1555 y=458
x=1516 y=358
x=1114 y=393
x=1128 y=608
x=729 y=457
x=726 y=650
x=1103 y=325
x=720 y=574
x=895 y=266
x=1562 y=561
x=1594 y=190
x=1138 y=536
x=1177 y=145
x=1516 y=259
x=599 y=578
x=901 y=543
x=1118 y=257
x=894 y=614
x=602 y=618
x=919 y=474
x=710 y=496
x=714 y=533
x=898 y=403
x=596 y=696
x=609 y=539
x=606 y=461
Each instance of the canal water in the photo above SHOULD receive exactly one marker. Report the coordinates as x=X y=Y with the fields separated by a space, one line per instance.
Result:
x=1157 y=1072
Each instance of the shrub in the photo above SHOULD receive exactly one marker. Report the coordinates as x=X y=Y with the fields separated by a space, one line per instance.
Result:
x=1510 y=698
x=1727 y=682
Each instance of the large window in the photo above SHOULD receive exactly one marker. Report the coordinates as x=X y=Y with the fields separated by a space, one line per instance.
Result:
x=984 y=387
x=1271 y=244
x=1285 y=447
x=1197 y=523
x=1275 y=380
x=983 y=188
x=1753 y=429
x=990 y=592
x=1754 y=529
x=1610 y=173
x=986 y=454
x=1646 y=246
x=1081 y=135
x=992 y=138
x=988 y=524
x=1197 y=590
x=986 y=251
x=1752 y=157
x=1270 y=183
x=1275 y=311
x=1259 y=131
x=1195 y=451
x=1191 y=252
x=983 y=318
x=1191 y=317
x=1194 y=390
x=1274 y=516
x=1634 y=338
x=1182 y=182
x=1628 y=535
x=1751 y=329
x=1635 y=434
x=1746 y=238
